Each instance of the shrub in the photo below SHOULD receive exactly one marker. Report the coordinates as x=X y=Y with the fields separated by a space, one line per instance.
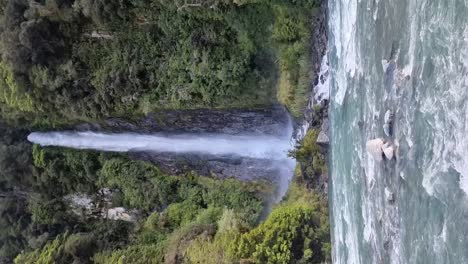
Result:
x=290 y=234
x=135 y=254
x=81 y=246
x=52 y=252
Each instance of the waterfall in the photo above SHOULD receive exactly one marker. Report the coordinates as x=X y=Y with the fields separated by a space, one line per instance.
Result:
x=260 y=147
x=268 y=151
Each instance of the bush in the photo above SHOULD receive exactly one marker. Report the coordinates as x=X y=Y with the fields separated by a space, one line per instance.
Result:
x=217 y=249
x=52 y=252
x=290 y=234
x=232 y=194
x=181 y=239
x=180 y=214
x=81 y=246
x=309 y=153
x=135 y=254
x=11 y=93
x=143 y=186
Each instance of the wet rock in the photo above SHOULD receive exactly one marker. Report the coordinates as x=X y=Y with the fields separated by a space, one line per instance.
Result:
x=269 y=121
x=379 y=148
x=88 y=127
x=241 y=168
x=389 y=196
x=323 y=138
x=387 y=244
x=388 y=126
x=374 y=147
x=389 y=150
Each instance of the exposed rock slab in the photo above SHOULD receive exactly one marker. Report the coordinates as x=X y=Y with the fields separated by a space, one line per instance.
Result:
x=241 y=168
x=267 y=121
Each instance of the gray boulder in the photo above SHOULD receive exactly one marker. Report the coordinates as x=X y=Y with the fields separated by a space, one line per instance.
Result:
x=323 y=138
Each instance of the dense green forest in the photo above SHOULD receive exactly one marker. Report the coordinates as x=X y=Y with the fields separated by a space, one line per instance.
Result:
x=69 y=61
x=65 y=60
x=182 y=219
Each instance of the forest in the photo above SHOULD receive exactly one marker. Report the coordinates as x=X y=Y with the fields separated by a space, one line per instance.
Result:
x=69 y=61
x=65 y=61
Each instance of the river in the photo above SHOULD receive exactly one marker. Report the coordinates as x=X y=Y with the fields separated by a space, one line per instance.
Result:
x=410 y=57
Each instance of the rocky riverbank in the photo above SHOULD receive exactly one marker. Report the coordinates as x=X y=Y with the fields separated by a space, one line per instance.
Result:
x=314 y=125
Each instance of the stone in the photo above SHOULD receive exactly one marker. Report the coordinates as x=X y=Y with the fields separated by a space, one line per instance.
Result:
x=323 y=139
x=389 y=150
x=374 y=147
x=387 y=130
x=388 y=126
x=389 y=196
x=120 y=213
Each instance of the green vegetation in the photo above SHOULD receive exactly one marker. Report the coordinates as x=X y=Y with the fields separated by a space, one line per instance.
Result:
x=183 y=219
x=292 y=33
x=174 y=206
x=67 y=61
x=311 y=159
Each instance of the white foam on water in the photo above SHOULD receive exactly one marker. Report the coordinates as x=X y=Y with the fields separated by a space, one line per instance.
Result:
x=342 y=21
x=408 y=69
x=450 y=112
x=461 y=163
x=320 y=92
x=322 y=89
x=376 y=9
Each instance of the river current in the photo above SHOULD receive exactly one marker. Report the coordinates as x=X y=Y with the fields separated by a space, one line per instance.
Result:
x=409 y=57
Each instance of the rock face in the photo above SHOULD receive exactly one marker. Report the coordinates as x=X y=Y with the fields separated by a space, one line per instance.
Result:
x=242 y=168
x=268 y=121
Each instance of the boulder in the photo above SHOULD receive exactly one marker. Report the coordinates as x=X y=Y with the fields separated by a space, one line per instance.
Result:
x=120 y=213
x=389 y=150
x=389 y=195
x=388 y=126
x=323 y=138
x=374 y=147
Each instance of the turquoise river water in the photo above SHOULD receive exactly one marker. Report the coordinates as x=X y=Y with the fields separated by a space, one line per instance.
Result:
x=410 y=57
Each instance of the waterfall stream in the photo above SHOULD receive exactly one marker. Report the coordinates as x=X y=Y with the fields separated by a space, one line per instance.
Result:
x=260 y=147
x=263 y=152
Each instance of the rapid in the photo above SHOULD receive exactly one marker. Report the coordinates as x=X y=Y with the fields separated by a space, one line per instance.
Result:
x=410 y=57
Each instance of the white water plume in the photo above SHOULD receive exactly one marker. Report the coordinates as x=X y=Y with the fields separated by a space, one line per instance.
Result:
x=259 y=147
